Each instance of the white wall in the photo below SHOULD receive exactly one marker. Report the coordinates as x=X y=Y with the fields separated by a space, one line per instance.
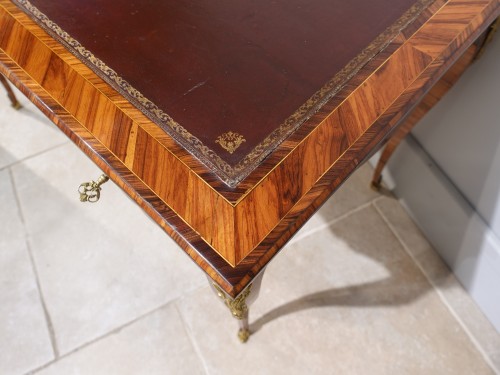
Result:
x=448 y=176
x=462 y=135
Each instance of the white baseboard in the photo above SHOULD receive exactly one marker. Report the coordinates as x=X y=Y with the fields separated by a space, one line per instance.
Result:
x=451 y=224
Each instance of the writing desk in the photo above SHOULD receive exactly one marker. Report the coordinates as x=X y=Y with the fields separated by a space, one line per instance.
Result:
x=230 y=123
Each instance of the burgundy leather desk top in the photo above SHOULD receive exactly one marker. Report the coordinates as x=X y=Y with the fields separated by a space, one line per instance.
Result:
x=228 y=80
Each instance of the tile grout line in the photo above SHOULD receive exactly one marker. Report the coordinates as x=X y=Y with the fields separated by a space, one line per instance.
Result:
x=17 y=162
x=443 y=299
x=190 y=335
x=46 y=313
x=99 y=338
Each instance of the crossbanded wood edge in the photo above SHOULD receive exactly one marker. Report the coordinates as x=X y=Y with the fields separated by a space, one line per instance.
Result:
x=261 y=201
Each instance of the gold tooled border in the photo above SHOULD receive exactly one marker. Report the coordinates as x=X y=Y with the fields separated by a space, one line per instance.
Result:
x=230 y=175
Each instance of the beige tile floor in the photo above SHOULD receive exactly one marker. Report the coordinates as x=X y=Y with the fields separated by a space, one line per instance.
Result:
x=99 y=289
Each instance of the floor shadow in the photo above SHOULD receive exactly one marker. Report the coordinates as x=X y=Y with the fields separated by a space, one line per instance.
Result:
x=405 y=283
x=354 y=296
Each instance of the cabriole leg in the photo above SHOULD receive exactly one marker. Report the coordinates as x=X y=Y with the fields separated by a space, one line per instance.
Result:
x=10 y=93
x=239 y=306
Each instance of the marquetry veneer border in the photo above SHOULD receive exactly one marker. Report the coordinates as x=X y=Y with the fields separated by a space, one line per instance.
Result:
x=442 y=38
x=148 y=150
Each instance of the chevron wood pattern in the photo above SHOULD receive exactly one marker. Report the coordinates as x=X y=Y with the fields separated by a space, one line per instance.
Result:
x=427 y=103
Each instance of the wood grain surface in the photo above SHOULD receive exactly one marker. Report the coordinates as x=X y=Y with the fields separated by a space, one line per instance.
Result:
x=231 y=233
x=428 y=102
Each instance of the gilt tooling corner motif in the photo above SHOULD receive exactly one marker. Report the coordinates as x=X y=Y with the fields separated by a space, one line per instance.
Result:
x=230 y=141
